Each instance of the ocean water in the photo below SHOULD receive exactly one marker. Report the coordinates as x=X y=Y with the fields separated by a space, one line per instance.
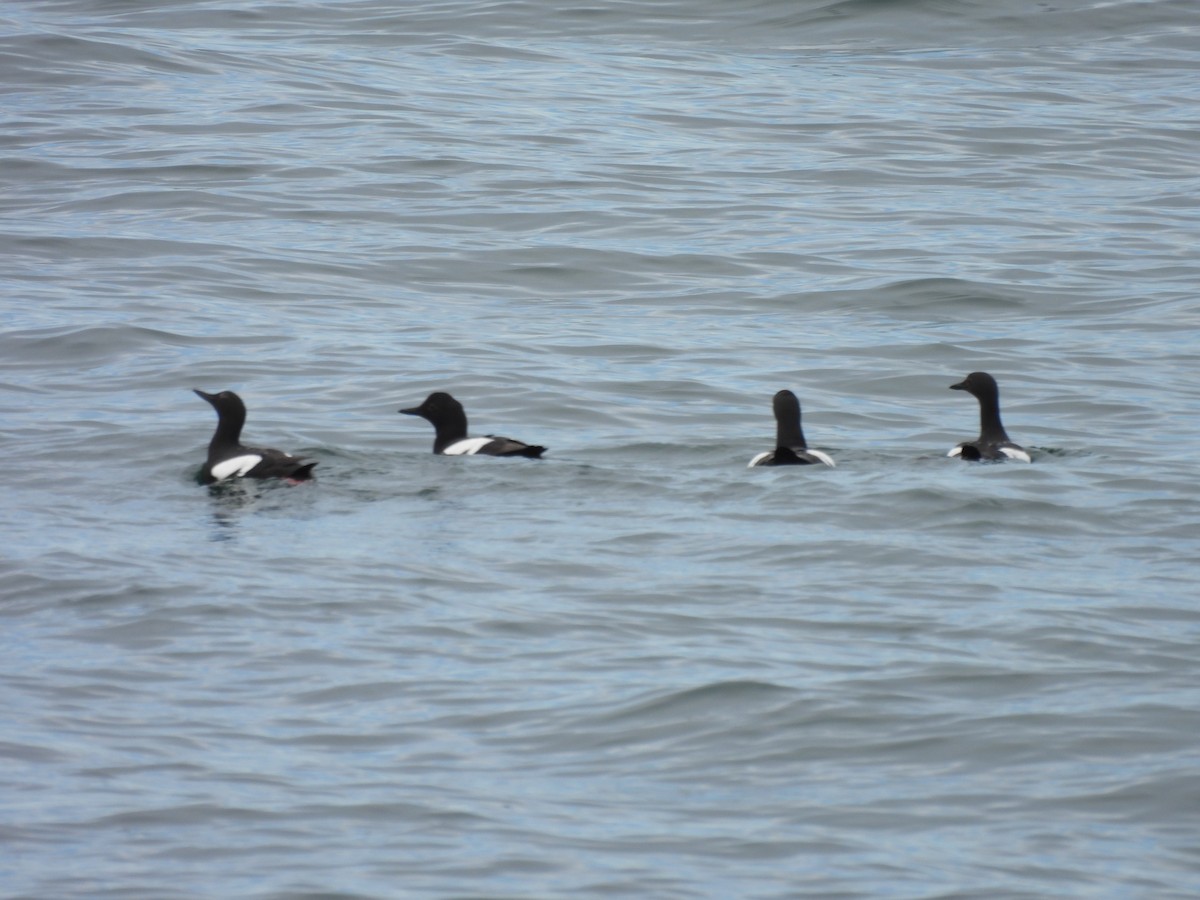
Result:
x=635 y=668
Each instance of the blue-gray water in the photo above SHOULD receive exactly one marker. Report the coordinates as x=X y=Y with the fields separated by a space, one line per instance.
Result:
x=636 y=669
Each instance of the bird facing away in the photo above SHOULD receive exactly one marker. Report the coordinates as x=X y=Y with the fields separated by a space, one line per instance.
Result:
x=790 y=447
x=449 y=421
x=993 y=441
x=228 y=458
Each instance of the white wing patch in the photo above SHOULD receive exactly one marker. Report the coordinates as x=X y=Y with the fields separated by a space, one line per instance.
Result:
x=1016 y=453
x=235 y=467
x=467 y=446
x=823 y=457
x=816 y=454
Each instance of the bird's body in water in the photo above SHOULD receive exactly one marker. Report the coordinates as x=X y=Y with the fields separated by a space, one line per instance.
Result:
x=449 y=421
x=229 y=458
x=993 y=441
x=790 y=447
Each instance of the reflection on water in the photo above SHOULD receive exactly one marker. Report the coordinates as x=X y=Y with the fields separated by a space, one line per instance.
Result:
x=234 y=499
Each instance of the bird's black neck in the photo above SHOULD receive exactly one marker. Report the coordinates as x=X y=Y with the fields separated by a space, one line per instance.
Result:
x=229 y=430
x=450 y=427
x=789 y=434
x=991 y=430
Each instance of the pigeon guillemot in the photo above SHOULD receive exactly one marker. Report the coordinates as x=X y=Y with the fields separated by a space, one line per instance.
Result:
x=449 y=421
x=227 y=458
x=790 y=447
x=993 y=442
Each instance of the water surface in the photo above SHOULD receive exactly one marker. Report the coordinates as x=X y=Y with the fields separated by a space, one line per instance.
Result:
x=635 y=668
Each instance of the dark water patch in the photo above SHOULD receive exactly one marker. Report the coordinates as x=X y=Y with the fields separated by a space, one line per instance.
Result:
x=25 y=753
x=702 y=700
x=76 y=56
x=97 y=345
x=57 y=248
